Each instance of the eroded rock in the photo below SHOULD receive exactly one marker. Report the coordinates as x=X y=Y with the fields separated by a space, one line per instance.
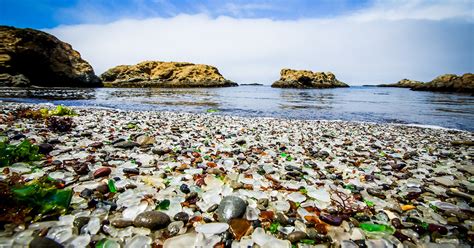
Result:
x=307 y=79
x=165 y=74
x=32 y=57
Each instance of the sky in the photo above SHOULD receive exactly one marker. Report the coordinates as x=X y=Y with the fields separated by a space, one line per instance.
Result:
x=249 y=41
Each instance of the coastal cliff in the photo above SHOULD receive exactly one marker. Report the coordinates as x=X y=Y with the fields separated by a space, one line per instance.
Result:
x=164 y=74
x=443 y=83
x=31 y=57
x=307 y=79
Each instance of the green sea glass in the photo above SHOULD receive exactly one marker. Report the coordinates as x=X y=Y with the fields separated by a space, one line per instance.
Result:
x=380 y=228
x=107 y=243
x=43 y=195
x=112 y=187
x=164 y=205
x=22 y=152
x=274 y=227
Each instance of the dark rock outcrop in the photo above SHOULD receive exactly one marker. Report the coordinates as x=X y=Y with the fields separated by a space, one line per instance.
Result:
x=165 y=75
x=307 y=79
x=31 y=57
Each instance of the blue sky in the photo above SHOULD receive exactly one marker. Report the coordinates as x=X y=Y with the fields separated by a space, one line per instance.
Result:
x=52 y=13
x=361 y=41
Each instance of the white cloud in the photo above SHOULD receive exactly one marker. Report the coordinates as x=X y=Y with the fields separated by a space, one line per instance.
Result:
x=378 y=45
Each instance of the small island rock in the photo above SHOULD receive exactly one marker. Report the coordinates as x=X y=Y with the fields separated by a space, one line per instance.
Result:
x=307 y=79
x=164 y=75
x=404 y=83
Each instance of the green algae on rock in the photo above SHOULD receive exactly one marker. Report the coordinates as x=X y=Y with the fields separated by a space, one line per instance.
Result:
x=22 y=152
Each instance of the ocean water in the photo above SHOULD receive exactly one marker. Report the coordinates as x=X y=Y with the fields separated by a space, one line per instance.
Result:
x=359 y=103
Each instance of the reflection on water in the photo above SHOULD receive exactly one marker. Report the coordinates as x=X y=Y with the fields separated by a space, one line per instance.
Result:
x=301 y=99
x=356 y=103
x=47 y=93
x=153 y=96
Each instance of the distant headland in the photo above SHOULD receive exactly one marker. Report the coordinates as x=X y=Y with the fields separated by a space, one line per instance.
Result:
x=444 y=83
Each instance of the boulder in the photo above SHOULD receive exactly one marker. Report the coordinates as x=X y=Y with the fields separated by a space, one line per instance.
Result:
x=449 y=83
x=307 y=79
x=164 y=74
x=31 y=57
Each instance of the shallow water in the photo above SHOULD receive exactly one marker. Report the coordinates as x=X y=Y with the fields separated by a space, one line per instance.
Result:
x=372 y=104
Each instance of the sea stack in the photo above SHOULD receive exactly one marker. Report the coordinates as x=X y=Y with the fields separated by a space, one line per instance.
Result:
x=30 y=57
x=164 y=75
x=307 y=79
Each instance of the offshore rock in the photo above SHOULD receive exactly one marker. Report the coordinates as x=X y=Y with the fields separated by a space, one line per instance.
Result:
x=307 y=79
x=164 y=75
x=443 y=83
x=31 y=57
x=449 y=82
x=404 y=83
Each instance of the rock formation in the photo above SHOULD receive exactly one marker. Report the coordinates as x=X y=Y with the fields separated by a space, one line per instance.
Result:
x=449 y=83
x=251 y=84
x=307 y=79
x=445 y=83
x=30 y=57
x=404 y=83
x=164 y=74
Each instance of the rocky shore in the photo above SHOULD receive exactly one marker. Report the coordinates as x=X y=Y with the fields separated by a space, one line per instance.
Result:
x=443 y=83
x=31 y=57
x=164 y=74
x=150 y=179
x=307 y=79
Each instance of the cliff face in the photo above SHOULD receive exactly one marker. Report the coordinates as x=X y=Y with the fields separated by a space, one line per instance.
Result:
x=450 y=83
x=307 y=79
x=165 y=74
x=31 y=57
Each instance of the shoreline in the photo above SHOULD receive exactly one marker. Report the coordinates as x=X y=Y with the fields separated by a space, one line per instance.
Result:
x=265 y=181
x=47 y=103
